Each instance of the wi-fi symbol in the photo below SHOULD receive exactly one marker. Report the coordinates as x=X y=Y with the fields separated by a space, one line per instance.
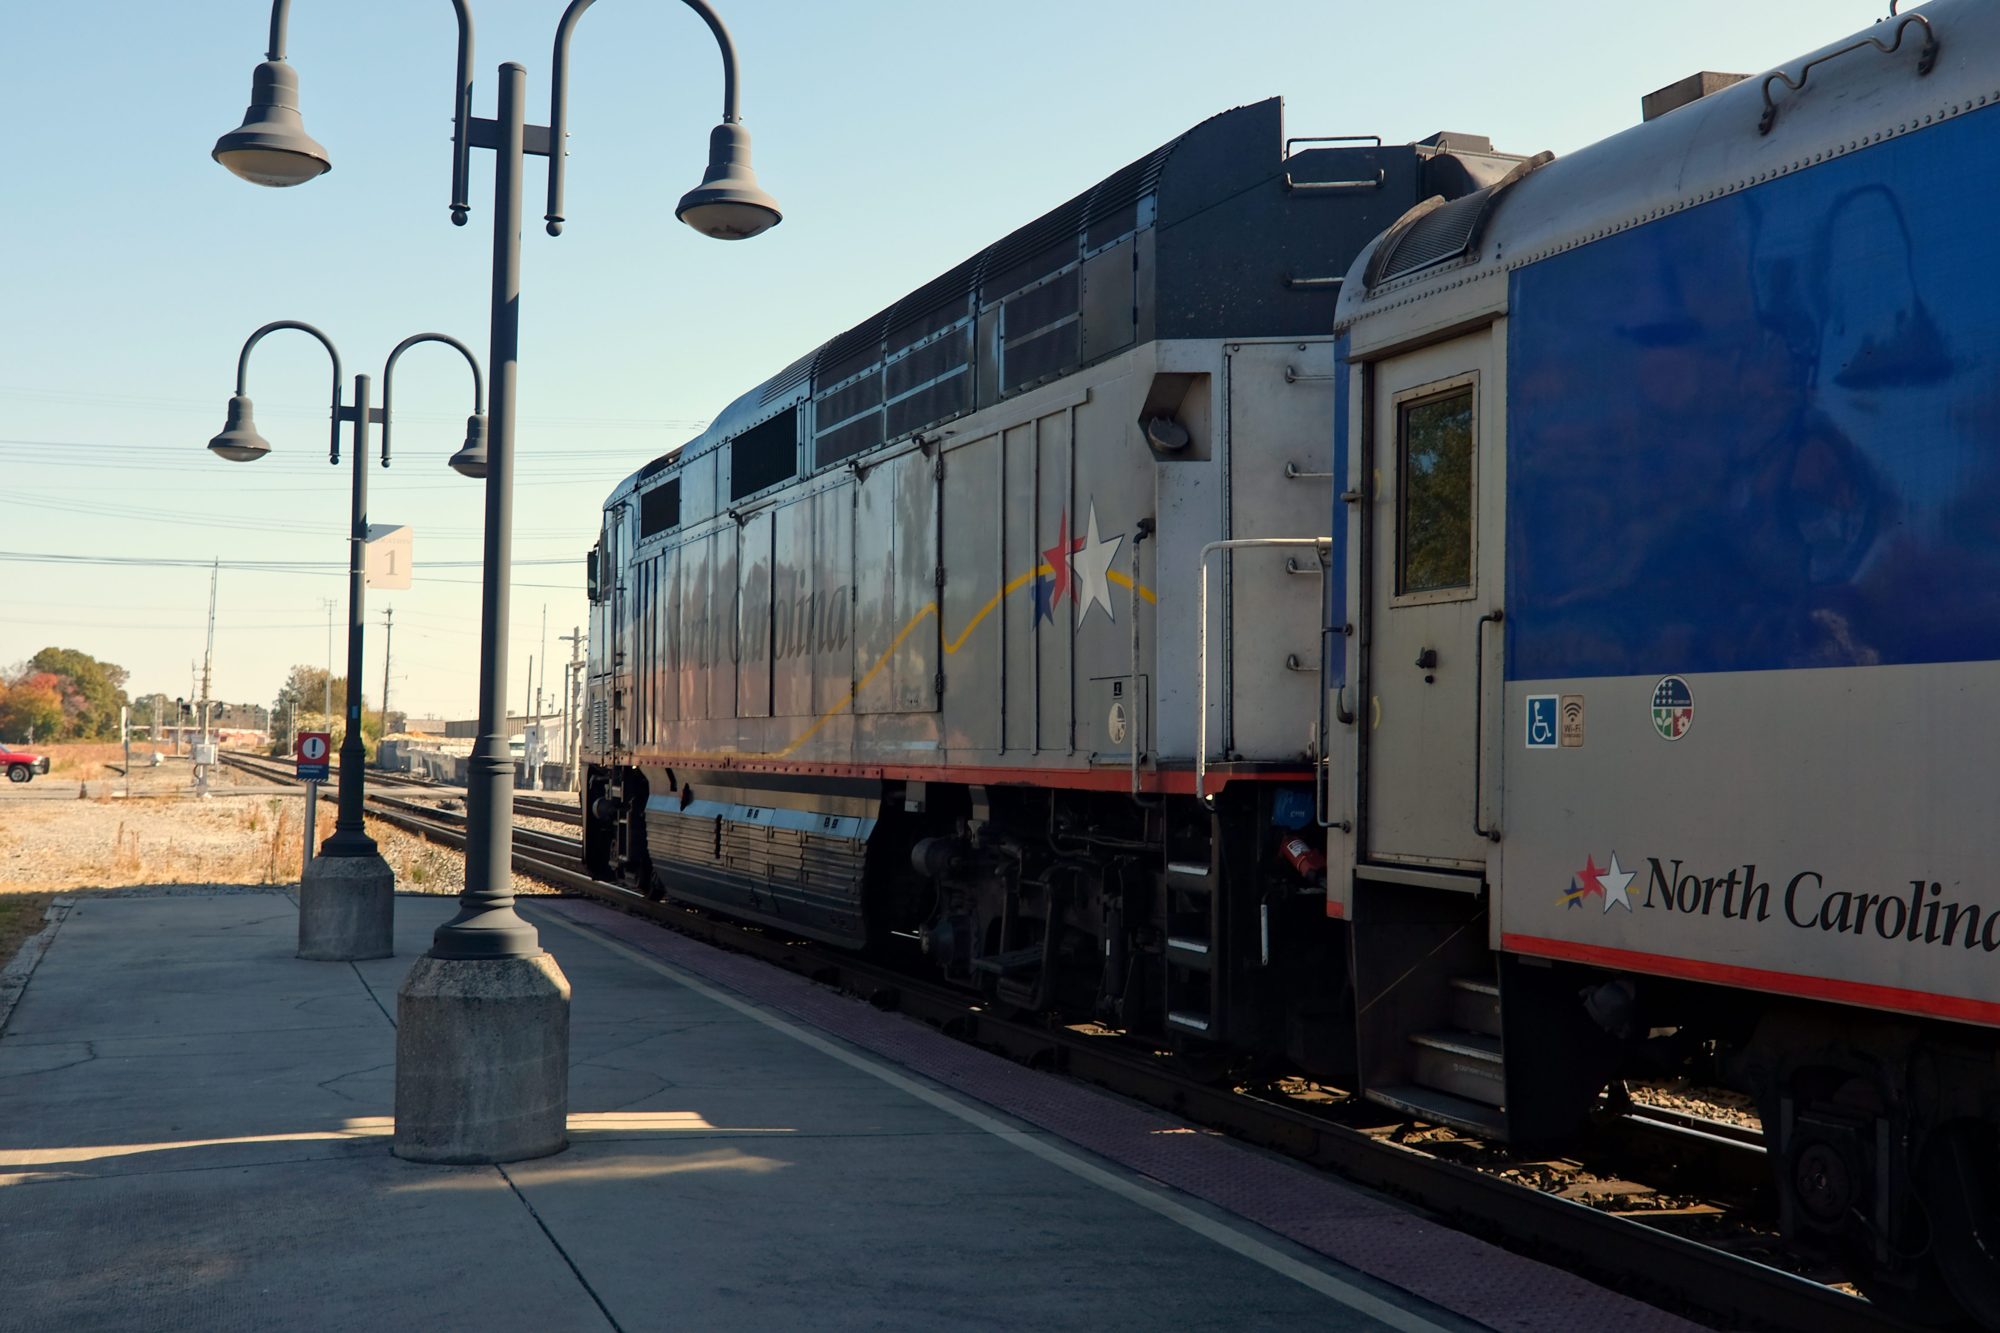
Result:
x=1572 y=710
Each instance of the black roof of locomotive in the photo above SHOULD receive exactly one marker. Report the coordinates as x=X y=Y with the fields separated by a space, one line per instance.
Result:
x=1194 y=201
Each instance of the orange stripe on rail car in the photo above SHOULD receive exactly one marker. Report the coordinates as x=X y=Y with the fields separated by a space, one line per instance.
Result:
x=1756 y=978
x=1173 y=782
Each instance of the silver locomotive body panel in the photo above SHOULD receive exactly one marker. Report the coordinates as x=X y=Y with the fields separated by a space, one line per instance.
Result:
x=971 y=603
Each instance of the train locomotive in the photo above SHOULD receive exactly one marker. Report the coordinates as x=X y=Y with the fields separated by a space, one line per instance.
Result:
x=902 y=645
x=1474 y=626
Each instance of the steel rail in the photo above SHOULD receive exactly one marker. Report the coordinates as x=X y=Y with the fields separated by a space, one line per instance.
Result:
x=532 y=807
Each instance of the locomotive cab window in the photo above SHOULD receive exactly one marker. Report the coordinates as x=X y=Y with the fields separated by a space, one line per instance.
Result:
x=660 y=509
x=1436 y=447
x=764 y=455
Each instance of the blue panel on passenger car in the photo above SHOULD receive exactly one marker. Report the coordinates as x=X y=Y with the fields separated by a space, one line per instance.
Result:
x=1765 y=432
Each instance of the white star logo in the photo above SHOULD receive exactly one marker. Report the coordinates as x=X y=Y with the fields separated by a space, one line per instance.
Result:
x=1092 y=568
x=1617 y=885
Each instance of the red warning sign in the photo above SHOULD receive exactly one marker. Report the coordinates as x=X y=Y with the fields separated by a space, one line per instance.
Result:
x=314 y=749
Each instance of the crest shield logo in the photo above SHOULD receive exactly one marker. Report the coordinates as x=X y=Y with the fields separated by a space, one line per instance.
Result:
x=1673 y=708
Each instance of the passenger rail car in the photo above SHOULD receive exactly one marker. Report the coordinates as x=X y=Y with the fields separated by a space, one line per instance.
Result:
x=1674 y=562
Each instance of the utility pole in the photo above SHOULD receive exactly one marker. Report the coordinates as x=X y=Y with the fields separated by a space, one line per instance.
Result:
x=575 y=641
x=388 y=629
x=545 y=667
x=528 y=729
x=205 y=756
x=327 y=706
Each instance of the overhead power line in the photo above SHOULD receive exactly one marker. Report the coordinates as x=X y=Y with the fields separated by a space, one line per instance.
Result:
x=268 y=566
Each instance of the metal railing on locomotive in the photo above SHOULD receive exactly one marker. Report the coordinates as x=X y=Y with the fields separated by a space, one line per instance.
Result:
x=271 y=147
x=240 y=443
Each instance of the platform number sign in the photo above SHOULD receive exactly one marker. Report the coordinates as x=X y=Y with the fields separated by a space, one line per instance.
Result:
x=314 y=749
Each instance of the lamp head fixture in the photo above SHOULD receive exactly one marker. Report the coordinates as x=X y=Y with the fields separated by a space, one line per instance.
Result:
x=239 y=441
x=271 y=146
x=470 y=460
x=728 y=204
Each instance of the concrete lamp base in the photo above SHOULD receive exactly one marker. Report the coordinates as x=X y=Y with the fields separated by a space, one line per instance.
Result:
x=482 y=1060
x=347 y=909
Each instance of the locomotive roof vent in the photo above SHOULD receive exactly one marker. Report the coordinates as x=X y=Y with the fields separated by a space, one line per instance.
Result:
x=1437 y=229
x=1683 y=92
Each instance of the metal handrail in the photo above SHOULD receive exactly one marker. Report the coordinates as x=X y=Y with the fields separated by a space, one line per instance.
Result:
x=1141 y=700
x=1494 y=617
x=1926 y=62
x=1201 y=639
x=1381 y=175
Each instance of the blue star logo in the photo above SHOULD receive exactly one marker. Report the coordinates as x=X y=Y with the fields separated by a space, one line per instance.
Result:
x=1045 y=599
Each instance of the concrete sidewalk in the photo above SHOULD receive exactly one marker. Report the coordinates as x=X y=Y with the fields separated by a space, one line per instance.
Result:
x=194 y=1134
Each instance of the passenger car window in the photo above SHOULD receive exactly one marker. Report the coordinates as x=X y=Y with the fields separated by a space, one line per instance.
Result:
x=1434 y=494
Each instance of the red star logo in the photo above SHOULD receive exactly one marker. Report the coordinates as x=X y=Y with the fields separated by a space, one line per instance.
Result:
x=1590 y=879
x=1057 y=557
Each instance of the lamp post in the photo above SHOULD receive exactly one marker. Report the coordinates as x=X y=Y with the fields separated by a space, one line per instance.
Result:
x=483 y=1019
x=347 y=892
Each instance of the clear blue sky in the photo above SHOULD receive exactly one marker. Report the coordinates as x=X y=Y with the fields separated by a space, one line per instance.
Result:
x=900 y=136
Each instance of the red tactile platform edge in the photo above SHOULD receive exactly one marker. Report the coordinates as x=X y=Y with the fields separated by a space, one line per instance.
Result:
x=1445 y=1267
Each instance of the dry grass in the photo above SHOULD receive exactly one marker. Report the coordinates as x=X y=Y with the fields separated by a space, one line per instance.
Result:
x=20 y=917
x=87 y=761
x=286 y=847
x=125 y=858
x=57 y=845
x=251 y=839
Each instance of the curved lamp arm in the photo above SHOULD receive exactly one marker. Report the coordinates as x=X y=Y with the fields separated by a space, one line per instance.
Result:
x=243 y=358
x=389 y=371
x=461 y=111
x=559 y=94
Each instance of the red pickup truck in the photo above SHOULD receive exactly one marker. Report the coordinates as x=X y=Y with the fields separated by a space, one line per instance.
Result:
x=20 y=765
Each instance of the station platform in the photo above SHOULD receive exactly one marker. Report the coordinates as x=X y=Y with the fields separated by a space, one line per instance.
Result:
x=195 y=1134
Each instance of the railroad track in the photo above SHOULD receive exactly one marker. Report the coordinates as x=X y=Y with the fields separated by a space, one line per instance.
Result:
x=525 y=804
x=1622 y=1250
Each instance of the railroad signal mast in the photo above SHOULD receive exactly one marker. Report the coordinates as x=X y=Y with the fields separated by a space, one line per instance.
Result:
x=572 y=682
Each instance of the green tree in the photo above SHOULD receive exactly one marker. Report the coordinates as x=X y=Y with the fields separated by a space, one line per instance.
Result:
x=31 y=706
x=310 y=689
x=93 y=692
x=301 y=705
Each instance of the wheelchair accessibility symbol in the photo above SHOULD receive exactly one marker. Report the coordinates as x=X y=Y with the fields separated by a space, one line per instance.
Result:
x=1542 y=734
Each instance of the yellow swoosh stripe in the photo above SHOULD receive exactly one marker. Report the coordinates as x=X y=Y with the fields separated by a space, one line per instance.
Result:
x=951 y=646
x=1125 y=581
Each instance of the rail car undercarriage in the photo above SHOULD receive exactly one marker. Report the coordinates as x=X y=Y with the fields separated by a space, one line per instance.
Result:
x=1159 y=917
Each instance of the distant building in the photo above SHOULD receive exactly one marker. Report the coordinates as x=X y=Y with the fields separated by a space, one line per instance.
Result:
x=239 y=717
x=517 y=724
x=425 y=726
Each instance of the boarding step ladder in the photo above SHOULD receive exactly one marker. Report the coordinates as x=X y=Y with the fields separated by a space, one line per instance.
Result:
x=1192 y=958
x=1458 y=1075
